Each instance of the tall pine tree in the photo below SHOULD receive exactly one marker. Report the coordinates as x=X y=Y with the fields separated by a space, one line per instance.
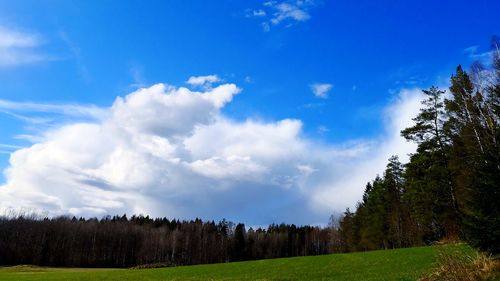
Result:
x=430 y=188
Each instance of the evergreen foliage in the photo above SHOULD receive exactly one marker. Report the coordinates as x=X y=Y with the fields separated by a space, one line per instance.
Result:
x=451 y=186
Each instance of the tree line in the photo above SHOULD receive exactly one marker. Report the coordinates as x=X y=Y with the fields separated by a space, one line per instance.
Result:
x=450 y=188
x=124 y=242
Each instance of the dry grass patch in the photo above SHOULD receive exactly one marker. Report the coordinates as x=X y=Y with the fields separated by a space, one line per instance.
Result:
x=462 y=265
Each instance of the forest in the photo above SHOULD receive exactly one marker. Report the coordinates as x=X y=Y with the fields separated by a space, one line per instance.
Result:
x=122 y=242
x=449 y=189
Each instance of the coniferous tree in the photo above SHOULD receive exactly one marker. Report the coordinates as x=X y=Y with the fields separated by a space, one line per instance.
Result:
x=474 y=118
x=430 y=189
x=239 y=242
x=396 y=215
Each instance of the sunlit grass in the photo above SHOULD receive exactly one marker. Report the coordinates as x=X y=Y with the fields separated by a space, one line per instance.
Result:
x=399 y=264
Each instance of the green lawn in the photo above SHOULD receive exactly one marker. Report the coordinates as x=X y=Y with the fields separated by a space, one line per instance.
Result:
x=400 y=264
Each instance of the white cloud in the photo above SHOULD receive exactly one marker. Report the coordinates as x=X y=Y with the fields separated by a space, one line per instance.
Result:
x=314 y=105
x=286 y=11
x=203 y=80
x=321 y=90
x=169 y=151
x=3 y=145
x=234 y=166
x=258 y=13
x=266 y=27
x=74 y=110
x=248 y=79
x=13 y=39
x=138 y=80
x=397 y=116
x=323 y=129
x=8 y=148
x=18 y=48
x=276 y=12
x=269 y=3
x=33 y=138
x=474 y=54
x=76 y=54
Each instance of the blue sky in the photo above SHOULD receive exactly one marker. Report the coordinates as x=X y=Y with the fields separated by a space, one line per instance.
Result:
x=361 y=55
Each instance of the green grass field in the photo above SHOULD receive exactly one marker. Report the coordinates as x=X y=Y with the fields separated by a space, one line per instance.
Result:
x=400 y=264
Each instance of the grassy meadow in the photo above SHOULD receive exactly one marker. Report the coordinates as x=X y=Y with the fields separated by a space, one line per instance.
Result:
x=399 y=264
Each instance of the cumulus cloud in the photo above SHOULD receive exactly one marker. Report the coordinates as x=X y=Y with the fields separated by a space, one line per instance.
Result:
x=321 y=90
x=167 y=151
x=349 y=186
x=18 y=48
